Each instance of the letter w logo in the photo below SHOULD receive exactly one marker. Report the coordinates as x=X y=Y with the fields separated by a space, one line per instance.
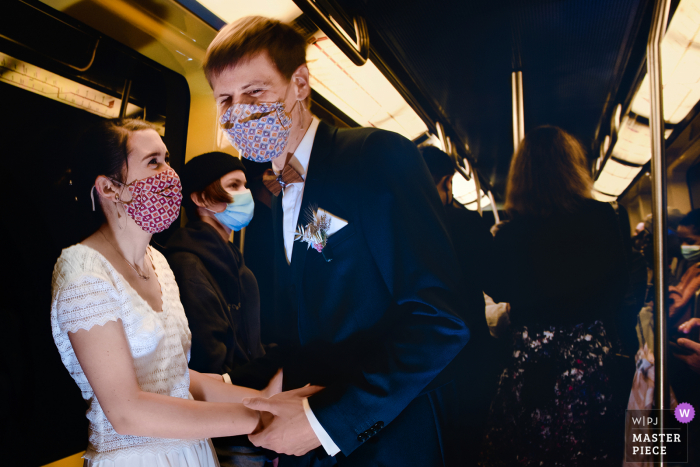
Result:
x=685 y=413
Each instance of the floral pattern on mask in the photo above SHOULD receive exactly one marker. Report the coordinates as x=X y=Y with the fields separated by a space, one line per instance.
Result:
x=155 y=201
x=259 y=132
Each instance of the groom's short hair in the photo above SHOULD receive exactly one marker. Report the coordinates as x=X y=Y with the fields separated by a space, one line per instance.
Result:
x=250 y=35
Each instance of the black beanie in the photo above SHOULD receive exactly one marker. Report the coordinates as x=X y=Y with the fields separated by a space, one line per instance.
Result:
x=202 y=170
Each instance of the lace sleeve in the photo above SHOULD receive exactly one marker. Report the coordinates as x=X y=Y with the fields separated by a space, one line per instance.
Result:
x=87 y=301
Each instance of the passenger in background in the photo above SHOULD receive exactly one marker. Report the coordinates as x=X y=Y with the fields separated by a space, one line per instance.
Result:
x=468 y=231
x=219 y=293
x=684 y=369
x=561 y=266
x=688 y=235
x=473 y=244
x=626 y=318
x=688 y=350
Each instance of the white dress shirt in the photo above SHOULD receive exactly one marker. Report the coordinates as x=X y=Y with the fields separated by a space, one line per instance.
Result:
x=291 y=205
x=293 y=193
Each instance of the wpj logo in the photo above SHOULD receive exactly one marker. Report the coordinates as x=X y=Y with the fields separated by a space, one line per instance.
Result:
x=656 y=435
x=684 y=412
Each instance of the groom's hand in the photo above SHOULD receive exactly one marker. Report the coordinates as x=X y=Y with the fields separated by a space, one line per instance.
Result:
x=289 y=431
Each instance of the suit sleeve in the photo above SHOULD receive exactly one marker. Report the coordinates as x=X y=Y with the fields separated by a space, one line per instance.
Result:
x=205 y=314
x=401 y=219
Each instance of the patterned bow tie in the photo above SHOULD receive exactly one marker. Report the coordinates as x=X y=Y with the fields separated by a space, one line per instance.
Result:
x=275 y=183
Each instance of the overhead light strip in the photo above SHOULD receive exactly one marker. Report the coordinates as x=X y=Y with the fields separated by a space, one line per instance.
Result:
x=680 y=49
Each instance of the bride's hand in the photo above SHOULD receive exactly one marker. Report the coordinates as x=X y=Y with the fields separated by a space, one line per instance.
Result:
x=274 y=386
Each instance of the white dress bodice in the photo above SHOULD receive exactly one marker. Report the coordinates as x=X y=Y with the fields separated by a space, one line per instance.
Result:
x=88 y=291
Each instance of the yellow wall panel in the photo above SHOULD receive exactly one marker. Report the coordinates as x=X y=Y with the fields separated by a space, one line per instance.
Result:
x=76 y=460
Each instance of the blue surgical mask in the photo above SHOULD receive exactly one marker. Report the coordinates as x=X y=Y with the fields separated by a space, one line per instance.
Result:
x=238 y=214
x=691 y=252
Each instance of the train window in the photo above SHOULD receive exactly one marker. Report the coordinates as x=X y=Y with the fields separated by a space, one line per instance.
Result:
x=58 y=88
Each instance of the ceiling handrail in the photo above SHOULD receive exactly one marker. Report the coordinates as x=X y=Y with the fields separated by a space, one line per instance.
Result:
x=74 y=67
x=358 y=52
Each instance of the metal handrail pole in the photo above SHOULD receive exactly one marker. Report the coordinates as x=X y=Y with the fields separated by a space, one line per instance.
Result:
x=659 y=203
x=496 y=217
x=518 y=111
x=126 y=94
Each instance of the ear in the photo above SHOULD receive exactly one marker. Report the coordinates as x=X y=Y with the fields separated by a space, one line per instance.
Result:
x=197 y=199
x=107 y=189
x=300 y=80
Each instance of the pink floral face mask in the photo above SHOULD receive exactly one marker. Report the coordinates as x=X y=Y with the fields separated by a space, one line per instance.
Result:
x=155 y=201
x=259 y=132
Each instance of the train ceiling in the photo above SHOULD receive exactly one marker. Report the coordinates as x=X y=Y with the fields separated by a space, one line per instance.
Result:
x=572 y=53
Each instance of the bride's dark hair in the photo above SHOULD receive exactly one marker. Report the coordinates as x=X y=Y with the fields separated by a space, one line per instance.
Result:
x=103 y=149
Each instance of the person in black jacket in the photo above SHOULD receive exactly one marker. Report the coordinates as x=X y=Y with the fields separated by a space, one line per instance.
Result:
x=219 y=293
x=473 y=244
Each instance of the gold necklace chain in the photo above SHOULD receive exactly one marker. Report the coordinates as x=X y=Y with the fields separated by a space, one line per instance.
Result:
x=144 y=277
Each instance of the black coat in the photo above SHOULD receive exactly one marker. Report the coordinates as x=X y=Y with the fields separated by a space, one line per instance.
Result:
x=568 y=268
x=220 y=297
x=377 y=324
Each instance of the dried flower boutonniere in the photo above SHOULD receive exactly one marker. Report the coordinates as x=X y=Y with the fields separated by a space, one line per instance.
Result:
x=316 y=232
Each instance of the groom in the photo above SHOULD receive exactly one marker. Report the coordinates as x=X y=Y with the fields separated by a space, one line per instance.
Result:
x=370 y=305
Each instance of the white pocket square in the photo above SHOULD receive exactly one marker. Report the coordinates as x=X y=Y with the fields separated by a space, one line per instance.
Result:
x=336 y=222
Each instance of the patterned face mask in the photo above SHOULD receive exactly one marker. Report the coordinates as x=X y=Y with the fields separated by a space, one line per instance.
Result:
x=259 y=132
x=155 y=201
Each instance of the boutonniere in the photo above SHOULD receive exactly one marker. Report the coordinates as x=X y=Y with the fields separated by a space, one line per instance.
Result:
x=315 y=233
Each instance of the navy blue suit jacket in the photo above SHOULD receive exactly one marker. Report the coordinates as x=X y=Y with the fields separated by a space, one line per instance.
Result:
x=378 y=323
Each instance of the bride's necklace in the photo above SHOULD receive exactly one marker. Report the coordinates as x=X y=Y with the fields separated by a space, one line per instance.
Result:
x=133 y=266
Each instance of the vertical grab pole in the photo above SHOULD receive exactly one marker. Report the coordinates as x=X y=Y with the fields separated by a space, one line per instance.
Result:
x=518 y=111
x=658 y=176
x=496 y=217
x=126 y=93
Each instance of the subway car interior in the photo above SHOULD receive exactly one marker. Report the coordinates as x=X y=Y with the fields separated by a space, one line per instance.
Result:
x=470 y=77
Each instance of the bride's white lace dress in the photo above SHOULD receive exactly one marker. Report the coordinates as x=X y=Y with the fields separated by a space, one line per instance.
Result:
x=87 y=292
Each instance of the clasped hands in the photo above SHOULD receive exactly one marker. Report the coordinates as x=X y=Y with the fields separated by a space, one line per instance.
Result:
x=283 y=426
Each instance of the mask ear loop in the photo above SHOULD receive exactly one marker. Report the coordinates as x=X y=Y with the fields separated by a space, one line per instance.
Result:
x=121 y=227
x=92 y=197
x=280 y=117
x=119 y=216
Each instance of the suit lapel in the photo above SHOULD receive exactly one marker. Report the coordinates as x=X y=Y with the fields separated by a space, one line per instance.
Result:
x=314 y=187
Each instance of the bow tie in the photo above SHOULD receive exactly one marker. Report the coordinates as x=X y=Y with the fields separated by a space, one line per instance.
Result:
x=275 y=183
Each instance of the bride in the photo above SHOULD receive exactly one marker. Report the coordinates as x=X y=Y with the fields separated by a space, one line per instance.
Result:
x=118 y=322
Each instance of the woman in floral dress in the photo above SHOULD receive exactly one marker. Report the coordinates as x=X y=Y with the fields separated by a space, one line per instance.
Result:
x=560 y=264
